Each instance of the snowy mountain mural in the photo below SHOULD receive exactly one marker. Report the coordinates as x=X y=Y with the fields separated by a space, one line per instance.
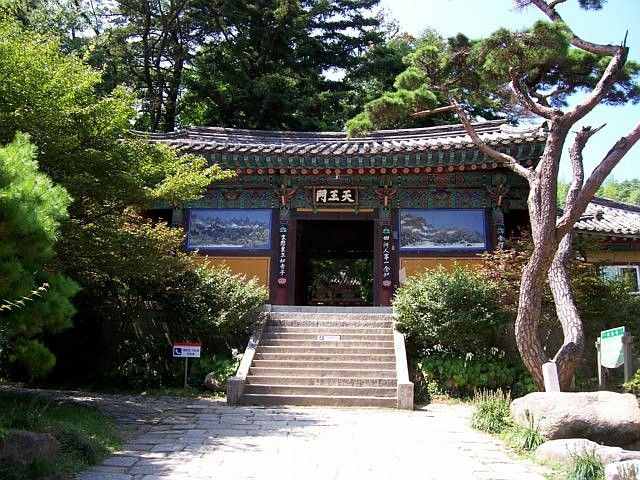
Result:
x=229 y=228
x=442 y=229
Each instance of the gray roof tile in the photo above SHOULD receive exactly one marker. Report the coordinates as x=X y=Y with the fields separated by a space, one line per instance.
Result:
x=610 y=217
x=336 y=143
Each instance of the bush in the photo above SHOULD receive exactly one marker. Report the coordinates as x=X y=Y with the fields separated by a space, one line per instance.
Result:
x=462 y=375
x=210 y=305
x=491 y=411
x=216 y=304
x=455 y=312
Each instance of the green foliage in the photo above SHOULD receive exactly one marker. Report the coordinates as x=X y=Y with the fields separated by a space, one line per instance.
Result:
x=633 y=385
x=491 y=411
x=222 y=366
x=455 y=312
x=31 y=207
x=476 y=72
x=216 y=303
x=120 y=259
x=85 y=435
x=462 y=375
x=586 y=465
x=210 y=305
x=270 y=72
x=627 y=191
x=524 y=438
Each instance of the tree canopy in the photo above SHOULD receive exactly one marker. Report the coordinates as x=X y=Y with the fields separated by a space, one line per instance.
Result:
x=35 y=298
x=82 y=142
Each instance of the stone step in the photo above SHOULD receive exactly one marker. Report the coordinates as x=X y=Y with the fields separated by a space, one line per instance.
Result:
x=273 y=336
x=315 y=380
x=318 y=400
x=327 y=309
x=327 y=347
x=320 y=330
x=330 y=323
x=332 y=371
x=329 y=390
x=325 y=357
x=350 y=317
x=270 y=342
x=310 y=364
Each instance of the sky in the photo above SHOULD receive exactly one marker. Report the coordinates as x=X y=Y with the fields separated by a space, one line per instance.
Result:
x=479 y=18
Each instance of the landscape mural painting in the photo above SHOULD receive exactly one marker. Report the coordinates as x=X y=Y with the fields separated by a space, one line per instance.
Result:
x=443 y=229
x=211 y=228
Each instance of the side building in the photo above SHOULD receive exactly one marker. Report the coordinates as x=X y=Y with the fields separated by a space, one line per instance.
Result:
x=609 y=235
x=326 y=220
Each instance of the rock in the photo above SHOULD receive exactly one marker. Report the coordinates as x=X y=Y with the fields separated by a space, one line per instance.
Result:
x=213 y=384
x=627 y=470
x=21 y=448
x=565 y=450
x=604 y=417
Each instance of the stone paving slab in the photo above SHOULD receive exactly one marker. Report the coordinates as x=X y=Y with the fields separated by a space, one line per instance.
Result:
x=206 y=439
x=198 y=439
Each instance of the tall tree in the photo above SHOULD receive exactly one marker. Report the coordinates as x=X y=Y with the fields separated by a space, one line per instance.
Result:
x=607 y=81
x=534 y=72
x=83 y=143
x=266 y=65
x=31 y=209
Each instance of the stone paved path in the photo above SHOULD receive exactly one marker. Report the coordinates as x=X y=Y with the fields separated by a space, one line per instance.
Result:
x=197 y=439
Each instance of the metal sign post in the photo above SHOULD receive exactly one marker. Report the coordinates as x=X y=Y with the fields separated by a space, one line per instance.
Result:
x=186 y=350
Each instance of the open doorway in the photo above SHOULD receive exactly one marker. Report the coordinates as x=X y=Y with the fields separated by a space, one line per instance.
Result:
x=334 y=262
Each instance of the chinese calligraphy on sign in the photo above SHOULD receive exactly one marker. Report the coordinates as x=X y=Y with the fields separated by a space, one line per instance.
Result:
x=386 y=256
x=341 y=196
x=282 y=255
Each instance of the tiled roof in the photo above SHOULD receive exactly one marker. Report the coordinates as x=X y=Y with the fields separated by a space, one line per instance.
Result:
x=318 y=144
x=610 y=217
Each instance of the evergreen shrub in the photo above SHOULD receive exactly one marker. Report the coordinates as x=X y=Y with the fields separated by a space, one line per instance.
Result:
x=455 y=312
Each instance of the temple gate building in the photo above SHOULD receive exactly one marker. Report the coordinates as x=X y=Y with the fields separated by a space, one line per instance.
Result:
x=326 y=220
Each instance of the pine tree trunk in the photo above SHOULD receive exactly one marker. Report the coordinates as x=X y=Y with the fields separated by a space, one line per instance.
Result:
x=528 y=319
x=569 y=355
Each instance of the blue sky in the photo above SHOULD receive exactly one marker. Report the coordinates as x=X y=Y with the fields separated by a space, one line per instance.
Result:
x=478 y=18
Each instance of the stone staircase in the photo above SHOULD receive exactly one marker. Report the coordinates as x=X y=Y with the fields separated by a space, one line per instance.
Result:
x=321 y=356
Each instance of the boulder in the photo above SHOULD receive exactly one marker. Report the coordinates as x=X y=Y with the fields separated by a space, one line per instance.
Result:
x=605 y=417
x=21 y=448
x=565 y=450
x=213 y=384
x=627 y=470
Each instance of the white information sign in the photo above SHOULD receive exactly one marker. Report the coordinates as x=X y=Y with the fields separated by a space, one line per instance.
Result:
x=186 y=350
x=611 y=347
x=328 y=338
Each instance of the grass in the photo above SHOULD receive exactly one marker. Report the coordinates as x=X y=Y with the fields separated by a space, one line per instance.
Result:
x=586 y=466
x=524 y=438
x=491 y=411
x=84 y=434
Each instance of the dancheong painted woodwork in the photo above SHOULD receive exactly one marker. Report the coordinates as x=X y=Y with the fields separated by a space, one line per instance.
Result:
x=323 y=219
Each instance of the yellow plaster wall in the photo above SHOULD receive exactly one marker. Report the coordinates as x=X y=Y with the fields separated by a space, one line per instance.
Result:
x=410 y=266
x=613 y=257
x=250 y=266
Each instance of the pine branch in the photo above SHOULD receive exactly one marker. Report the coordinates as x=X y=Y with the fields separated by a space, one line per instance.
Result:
x=507 y=160
x=597 y=177
x=9 y=305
